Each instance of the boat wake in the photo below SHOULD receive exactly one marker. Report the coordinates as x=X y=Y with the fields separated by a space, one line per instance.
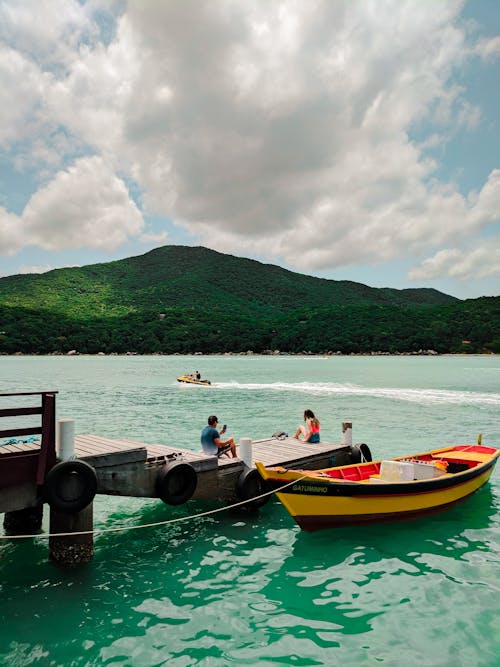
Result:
x=394 y=393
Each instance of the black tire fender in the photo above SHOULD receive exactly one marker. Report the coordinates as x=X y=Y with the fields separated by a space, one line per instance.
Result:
x=176 y=483
x=251 y=484
x=361 y=453
x=70 y=486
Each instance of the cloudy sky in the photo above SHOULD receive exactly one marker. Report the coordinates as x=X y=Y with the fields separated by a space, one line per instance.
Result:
x=348 y=140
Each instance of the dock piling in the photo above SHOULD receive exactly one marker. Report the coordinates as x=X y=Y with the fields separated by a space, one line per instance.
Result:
x=65 y=439
x=71 y=549
x=24 y=521
x=245 y=451
x=347 y=433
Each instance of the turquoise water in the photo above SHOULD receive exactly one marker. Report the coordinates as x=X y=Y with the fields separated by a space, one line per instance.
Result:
x=232 y=589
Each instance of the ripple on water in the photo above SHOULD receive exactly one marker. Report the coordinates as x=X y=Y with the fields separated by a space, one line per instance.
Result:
x=255 y=590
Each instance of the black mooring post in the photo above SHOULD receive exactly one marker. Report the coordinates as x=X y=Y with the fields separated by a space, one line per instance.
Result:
x=72 y=549
x=23 y=522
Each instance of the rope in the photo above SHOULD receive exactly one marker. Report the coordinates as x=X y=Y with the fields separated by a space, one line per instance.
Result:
x=100 y=531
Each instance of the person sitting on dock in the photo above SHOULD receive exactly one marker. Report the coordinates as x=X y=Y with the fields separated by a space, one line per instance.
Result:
x=309 y=432
x=211 y=441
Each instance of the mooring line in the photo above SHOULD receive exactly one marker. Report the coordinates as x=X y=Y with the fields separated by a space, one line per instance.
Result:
x=100 y=531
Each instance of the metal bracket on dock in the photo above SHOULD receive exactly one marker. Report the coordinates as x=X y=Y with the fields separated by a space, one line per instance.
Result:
x=163 y=459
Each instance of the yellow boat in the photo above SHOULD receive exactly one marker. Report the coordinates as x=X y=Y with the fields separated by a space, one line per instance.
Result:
x=401 y=488
x=191 y=379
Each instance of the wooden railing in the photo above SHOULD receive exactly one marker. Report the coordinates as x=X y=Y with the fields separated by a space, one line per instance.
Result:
x=46 y=429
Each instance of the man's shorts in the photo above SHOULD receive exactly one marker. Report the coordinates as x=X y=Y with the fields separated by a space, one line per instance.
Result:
x=222 y=450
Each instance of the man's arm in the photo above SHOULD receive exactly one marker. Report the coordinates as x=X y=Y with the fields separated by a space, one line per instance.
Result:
x=221 y=443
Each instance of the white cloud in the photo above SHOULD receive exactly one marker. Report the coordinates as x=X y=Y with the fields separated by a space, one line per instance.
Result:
x=489 y=48
x=160 y=238
x=49 y=30
x=283 y=128
x=35 y=269
x=85 y=206
x=485 y=207
x=21 y=90
x=40 y=41
x=12 y=237
x=468 y=116
x=482 y=261
x=286 y=126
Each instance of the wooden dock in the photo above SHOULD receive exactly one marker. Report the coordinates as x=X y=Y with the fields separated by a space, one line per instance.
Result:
x=130 y=468
x=127 y=467
x=34 y=471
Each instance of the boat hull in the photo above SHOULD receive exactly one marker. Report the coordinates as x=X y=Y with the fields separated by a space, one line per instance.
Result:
x=187 y=380
x=337 y=511
x=330 y=498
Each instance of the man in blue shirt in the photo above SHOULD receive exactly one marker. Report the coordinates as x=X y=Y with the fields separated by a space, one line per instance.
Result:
x=212 y=443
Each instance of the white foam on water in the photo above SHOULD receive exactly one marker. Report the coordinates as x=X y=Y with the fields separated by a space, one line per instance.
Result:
x=395 y=393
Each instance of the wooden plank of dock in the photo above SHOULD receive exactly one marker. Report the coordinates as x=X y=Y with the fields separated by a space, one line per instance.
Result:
x=100 y=451
x=128 y=467
x=19 y=447
x=289 y=452
x=104 y=452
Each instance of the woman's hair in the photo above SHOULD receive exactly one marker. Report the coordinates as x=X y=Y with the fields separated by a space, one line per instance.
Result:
x=309 y=414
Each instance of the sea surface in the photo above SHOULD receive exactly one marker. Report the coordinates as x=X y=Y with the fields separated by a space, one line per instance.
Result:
x=239 y=589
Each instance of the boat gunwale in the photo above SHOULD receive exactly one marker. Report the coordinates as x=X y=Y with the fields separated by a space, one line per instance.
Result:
x=346 y=487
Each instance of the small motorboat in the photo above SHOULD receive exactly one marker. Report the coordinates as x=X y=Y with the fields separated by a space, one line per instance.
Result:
x=192 y=379
x=371 y=492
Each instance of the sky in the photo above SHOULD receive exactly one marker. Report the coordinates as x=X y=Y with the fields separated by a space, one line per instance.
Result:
x=346 y=140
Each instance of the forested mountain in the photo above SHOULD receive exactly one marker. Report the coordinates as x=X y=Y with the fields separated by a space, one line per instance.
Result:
x=183 y=299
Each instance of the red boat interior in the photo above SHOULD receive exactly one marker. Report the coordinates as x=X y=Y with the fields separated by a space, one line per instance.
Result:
x=454 y=460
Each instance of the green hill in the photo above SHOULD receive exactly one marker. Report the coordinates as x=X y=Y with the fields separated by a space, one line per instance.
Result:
x=183 y=299
x=183 y=277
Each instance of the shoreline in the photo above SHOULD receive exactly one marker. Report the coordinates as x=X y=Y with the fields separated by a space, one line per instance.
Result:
x=275 y=353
